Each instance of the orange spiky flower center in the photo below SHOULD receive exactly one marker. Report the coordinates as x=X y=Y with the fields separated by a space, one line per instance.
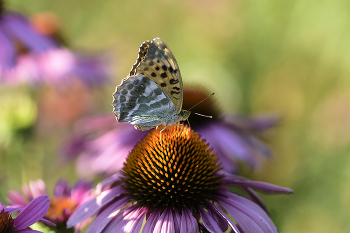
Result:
x=58 y=205
x=6 y=222
x=178 y=169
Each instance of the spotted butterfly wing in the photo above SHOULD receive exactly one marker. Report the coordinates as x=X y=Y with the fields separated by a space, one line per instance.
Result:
x=158 y=63
x=151 y=95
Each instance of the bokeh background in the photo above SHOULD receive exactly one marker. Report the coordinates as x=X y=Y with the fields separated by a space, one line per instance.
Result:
x=286 y=57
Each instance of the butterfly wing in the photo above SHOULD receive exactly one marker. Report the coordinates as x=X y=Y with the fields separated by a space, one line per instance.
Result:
x=140 y=101
x=157 y=62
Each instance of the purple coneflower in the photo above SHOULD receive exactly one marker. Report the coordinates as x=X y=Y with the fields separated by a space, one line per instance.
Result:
x=101 y=138
x=30 y=214
x=30 y=56
x=178 y=186
x=63 y=203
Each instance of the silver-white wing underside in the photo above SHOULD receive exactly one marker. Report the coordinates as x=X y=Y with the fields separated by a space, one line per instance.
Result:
x=140 y=101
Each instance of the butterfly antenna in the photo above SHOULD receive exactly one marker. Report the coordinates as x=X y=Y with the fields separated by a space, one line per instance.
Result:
x=203 y=115
x=201 y=101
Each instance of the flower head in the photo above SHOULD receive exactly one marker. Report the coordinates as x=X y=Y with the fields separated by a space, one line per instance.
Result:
x=29 y=214
x=63 y=203
x=176 y=182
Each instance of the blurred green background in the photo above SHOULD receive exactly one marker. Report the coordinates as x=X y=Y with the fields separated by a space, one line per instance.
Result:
x=286 y=57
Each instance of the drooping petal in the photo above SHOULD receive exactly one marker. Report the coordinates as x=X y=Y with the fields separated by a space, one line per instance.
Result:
x=208 y=221
x=47 y=222
x=212 y=208
x=232 y=144
x=256 y=198
x=219 y=219
x=231 y=179
x=92 y=206
x=248 y=215
x=106 y=215
x=255 y=123
x=32 y=213
x=152 y=221
x=129 y=220
x=188 y=222
x=165 y=222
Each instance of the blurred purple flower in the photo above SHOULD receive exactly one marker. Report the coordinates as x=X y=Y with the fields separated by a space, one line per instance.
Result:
x=65 y=200
x=29 y=214
x=27 y=56
x=101 y=138
x=178 y=186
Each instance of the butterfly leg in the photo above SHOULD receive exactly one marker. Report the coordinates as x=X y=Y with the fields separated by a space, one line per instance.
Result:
x=143 y=128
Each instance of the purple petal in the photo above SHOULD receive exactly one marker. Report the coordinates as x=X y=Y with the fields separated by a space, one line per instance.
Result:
x=15 y=198
x=33 y=212
x=208 y=221
x=177 y=221
x=231 y=179
x=227 y=163
x=128 y=220
x=188 y=222
x=152 y=221
x=219 y=219
x=47 y=222
x=7 y=52
x=27 y=231
x=100 y=186
x=11 y=209
x=89 y=208
x=231 y=143
x=165 y=222
x=249 y=216
x=20 y=28
x=256 y=198
x=81 y=191
x=106 y=215
x=61 y=188
x=221 y=215
x=257 y=123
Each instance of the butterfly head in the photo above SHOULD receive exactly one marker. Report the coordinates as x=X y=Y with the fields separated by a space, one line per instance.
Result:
x=184 y=114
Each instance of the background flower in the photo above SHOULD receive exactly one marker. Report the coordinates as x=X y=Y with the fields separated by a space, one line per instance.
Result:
x=63 y=203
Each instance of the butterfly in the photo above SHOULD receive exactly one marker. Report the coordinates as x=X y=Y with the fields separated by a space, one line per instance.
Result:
x=152 y=94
